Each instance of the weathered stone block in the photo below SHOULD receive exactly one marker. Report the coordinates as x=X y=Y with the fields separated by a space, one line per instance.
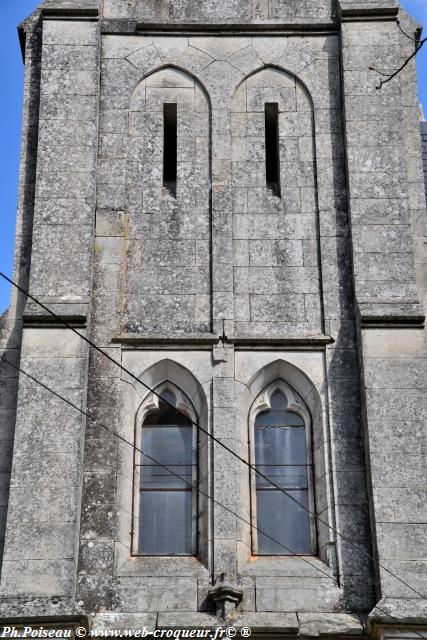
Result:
x=78 y=57
x=306 y=594
x=96 y=556
x=155 y=594
x=38 y=577
x=64 y=32
x=284 y=308
x=326 y=623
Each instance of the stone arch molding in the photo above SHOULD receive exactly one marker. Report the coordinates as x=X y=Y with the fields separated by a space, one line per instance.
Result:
x=166 y=76
x=152 y=402
x=306 y=400
x=176 y=214
x=263 y=401
x=138 y=400
x=292 y=381
x=219 y=65
x=220 y=79
x=296 y=405
x=281 y=69
x=183 y=384
x=289 y=252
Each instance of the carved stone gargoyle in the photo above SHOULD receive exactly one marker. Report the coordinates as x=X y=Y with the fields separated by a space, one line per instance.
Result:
x=227 y=595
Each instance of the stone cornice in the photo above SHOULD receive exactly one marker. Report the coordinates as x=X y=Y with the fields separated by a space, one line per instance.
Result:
x=80 y=9
x=207 y=339
x=391 y=313
x=132 y=27
x=356 y=10
x=74 y=313
x=182 y=340
x=280 y=341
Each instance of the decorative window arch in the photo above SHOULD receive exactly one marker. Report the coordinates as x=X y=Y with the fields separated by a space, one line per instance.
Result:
x=166 y=475
x=274 y=158
x=281 y=449
x=168 y=165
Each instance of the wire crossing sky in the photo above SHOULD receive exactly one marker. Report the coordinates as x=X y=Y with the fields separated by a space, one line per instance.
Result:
x=11 y=79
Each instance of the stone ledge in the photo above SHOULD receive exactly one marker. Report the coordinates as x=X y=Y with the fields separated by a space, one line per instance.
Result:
x=73 y=313
x=300 y=341
x=304 y=624
x=189 y=620
x=82 y=9
x=350 y=10
x=399 y=313
x=391 y=611
x=314 y=625
x=136 y=339
x=260 y=622
x=59 y=612
x=123 y=621
x=127 y=26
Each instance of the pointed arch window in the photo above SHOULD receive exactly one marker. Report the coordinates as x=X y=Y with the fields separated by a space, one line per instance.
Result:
x=166 y=476
x=281 y=449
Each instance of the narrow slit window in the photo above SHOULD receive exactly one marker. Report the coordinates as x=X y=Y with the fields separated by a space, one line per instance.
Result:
x=272 y=157
x=170 y=147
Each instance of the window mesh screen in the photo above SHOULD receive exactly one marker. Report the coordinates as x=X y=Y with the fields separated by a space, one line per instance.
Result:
x=166 y=501
x=281 y=455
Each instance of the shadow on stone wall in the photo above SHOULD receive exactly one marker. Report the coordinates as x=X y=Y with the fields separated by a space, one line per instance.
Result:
x=346 y=401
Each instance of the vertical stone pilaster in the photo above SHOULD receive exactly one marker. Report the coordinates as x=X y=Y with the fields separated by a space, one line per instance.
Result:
x=226 y=469
x=222 y=223
x=390 y=316
x=43 y=511
x=220 y=84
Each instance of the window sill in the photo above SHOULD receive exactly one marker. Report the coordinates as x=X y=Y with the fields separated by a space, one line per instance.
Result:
x=287 y=566
x=157 y=565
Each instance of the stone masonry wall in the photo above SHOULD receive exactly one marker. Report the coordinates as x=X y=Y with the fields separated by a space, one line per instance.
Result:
x=43 y=507
x=210 y=11
x=266 y=281
x=385 y=206
x=221 y=288
x=11 y=320
x=276 y=261
x=168 y=276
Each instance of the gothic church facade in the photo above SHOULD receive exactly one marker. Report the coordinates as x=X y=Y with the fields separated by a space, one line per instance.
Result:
x=218 y=196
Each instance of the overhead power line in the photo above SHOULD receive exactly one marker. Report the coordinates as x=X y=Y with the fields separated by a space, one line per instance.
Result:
x=203 y=493
x=211 y=436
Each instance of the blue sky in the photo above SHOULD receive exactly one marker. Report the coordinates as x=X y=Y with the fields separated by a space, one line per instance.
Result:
x=11 y=78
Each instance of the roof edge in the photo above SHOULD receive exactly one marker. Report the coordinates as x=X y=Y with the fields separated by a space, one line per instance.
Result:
x=24 y=27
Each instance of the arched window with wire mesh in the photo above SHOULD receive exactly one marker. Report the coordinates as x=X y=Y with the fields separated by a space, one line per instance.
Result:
x=282 y=496
x=166 y=476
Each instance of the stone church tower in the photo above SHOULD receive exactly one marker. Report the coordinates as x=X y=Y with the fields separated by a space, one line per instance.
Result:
x=218 y=196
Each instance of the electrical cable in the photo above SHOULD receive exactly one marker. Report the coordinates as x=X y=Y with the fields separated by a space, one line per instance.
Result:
x=199 y=490
x=212 y=437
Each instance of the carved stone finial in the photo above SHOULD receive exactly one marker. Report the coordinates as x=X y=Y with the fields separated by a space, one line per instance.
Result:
x=227 y=596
